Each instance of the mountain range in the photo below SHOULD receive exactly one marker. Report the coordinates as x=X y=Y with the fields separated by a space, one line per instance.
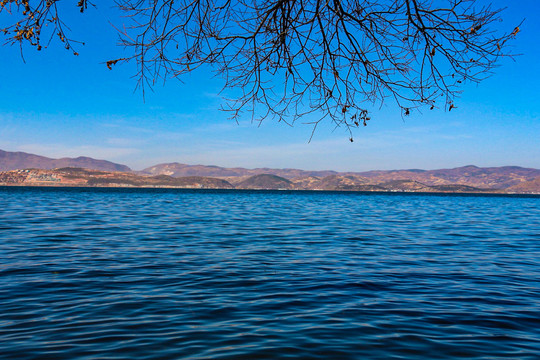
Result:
x=462 y=179
x=21 y=160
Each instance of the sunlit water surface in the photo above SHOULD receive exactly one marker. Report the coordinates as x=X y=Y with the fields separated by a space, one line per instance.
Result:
x=172 y=274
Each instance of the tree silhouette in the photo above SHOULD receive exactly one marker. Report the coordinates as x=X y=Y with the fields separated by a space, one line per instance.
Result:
x=284 y=59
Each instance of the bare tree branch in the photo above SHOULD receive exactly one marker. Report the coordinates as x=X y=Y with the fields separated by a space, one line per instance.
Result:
x=285 y=59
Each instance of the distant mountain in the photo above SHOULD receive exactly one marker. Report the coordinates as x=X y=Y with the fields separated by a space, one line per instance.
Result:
x=472 y=176
x=468 y=178
x=340 y=182
x=265 y=181
x=488 y=178
x=404 y=185
x=72 y=176
x=178 y=170
x=96 y=178
x=527 y=187
x=21 y=160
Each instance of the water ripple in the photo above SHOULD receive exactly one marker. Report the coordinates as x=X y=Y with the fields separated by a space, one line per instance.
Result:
x=168 y=274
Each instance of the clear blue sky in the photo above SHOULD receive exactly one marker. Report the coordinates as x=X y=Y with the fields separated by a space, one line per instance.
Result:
x=60 y=105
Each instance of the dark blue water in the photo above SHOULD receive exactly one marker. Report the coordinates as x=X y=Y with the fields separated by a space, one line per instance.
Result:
x=169 y=274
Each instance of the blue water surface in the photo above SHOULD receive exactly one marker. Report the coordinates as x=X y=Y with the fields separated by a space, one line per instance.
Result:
x=180 y=274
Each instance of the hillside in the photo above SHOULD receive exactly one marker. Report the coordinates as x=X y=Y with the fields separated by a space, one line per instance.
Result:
x=512 y=179
x=527 y=187
x=96 y=178
x=492 y=177
x=472 y=176
x=338 y=182
x=177 y=170
x=21 y=160
x=265 y=181
x=405 y=185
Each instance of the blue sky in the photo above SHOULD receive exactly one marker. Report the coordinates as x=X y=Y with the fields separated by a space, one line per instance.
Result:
x=57 y=105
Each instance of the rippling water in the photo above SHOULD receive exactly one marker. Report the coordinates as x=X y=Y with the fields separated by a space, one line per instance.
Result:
x=170 y=274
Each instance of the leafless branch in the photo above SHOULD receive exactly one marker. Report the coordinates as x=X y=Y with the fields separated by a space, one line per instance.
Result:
x=285 y=59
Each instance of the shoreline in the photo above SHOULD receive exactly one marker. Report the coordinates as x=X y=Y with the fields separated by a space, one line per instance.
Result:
x=209 y=189
x=88 y=178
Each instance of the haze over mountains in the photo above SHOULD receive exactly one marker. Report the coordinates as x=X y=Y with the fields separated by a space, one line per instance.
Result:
x=492 y=177
x=21 y=160
x=463 y=179
x=176 y=169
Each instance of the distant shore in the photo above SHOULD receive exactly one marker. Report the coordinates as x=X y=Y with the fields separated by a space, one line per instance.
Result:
x=88 y=178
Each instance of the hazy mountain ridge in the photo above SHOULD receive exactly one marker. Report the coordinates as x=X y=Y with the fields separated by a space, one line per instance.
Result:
x=265 y=181
x=489 y=178
x=21 y=160
x=97 y=178
x=532 y=186
x=462 y=179
x=177 y=170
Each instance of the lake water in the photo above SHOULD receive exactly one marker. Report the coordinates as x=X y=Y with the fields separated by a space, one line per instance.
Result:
x=179 y=274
